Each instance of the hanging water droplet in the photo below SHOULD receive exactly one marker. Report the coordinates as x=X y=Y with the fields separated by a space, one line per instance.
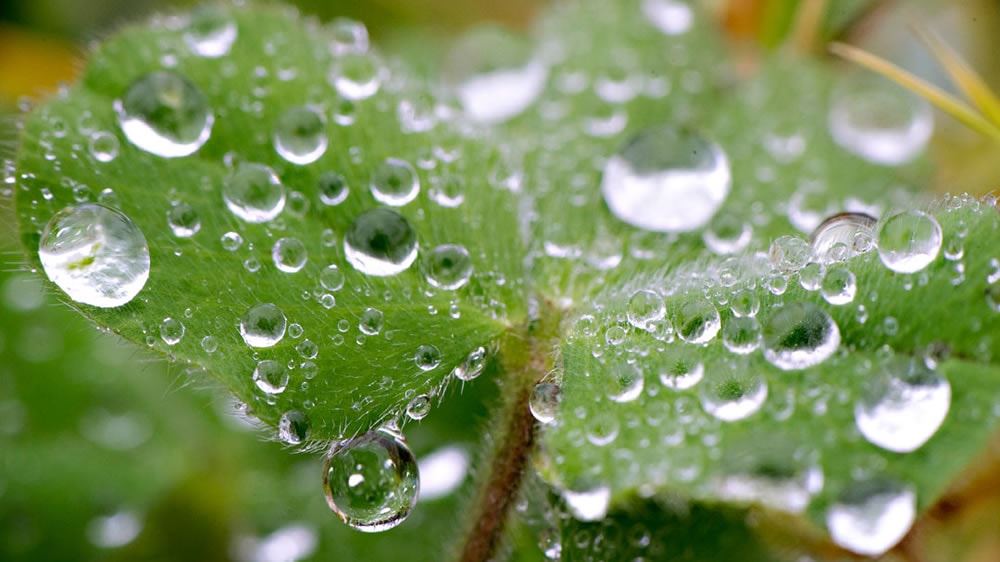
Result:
x=183 y=220
x=254 y=193
x=210 y=32
x=645 y=308
x=95 y=254
x=473 y=365
x=104 y=146
x=356 y=76
x=733 y=394
x=671 y=17
x=909 y=241
x=165 y=114
x=300 y=135
x=263 y=325
x=871 y=516
x=270 y=376
x=839 y=286
x=427 y=357
x=294 y=427
x=381 y=242
x=799 y=335
x=448 y=267
x=880 y=122
x=741 y=335
x=419 y=407
x=790 y=253
x=666 y=179
x=624 y=382
x=371 y=481
x=696 y=320
x=171 y=331
x=544 y=402
x=333 y=188
x=289 y=255
x=394 y=182
x=903 y=407
x=843 y=236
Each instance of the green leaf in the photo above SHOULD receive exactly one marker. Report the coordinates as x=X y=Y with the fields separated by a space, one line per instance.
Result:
x=278 y=62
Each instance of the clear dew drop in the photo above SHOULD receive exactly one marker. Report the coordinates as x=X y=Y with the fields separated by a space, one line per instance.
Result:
x=671 y=17
x=289 y=255
x=770 y=474
x=544 y=402
x=270 y=376
x=371 y=321
x=294 y=427
x=733 y=394
x=210 y=32
x=741 y=335
x=588 y=505
x=171 y=331
x=696 y=320
x=872 y=516
x=356 y=76
x=839 y=286
x=183 y=220
x=348 y=36
x=880 y=122
x=263 y=325
x=333 y=188
x=394 y=182
x=165 y=114
x=790 y=253
x=209 y=344
x=473 y=365
x=332 y=278
x=104 y=146
x=903 y=406
x=427 y=357
x=624 y=382
x=666 y=179
x=682 y=369
x=843 y=236
x=799 y=335
x=727 y=234
x=381 y=242
x=419 y=407
x=254 y=193
x=300 y=135
x=909 y=242
x=95 y=254
x=371 y=482
x=645 y=308
x=448 y=267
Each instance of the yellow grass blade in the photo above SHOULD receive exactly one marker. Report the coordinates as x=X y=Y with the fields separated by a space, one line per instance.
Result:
x=967 y=80
x=946 y=102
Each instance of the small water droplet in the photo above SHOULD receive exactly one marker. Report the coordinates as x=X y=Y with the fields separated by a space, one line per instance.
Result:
x=624 y=382
x=669 y=16
x=799 y=335
x=289 y=255
x=588 y=505
x=104 y=146
x=210 y=32
x=682 y=369
x=448 y=267
x=231 y=241
x=348 y=36
x=333 y=188
x=733 y=394
x=427 y=357
x=300 y=135
x=95 y=254
x=880 y=122
x=419 y=407
x=209 y=344
x=370 y=322
x=741 y=335
x=183 y=220
x=381 y=242
x=645 y=308
x=843 y=236
x=727 y=234
x=165 y=114
x=171 y=331
x=902 y=407
x=356 y=76
x=294 y=427
x=473 y=365
x=544 y=402
x=394 y=182
x=909 y=241
x=270 y=376
x=332 y=278
x=789 y=254
x=263 y=325
x=871 y=516
x=696 y=320
x=839 y=286
x=254 y=193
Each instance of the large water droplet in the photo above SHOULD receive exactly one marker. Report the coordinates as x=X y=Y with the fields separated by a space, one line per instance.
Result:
x=210 y=32
x=872 y=516
x=289 y=255
x=733 y=394
x=263 y=325
x=881 y=123
x=666 y=179
x=909 y=242
x=270 y=376
x=696 y=320
x=381 y=242
x=254 y=193
x=799 y=335
x=300 y=135
x=95 y=254
x=843 y=236
x=903 y=407
x=165 y=114
x=544 y=402
x=395 y=182
x=371 y=482
x=645 y=308
x=448 y=267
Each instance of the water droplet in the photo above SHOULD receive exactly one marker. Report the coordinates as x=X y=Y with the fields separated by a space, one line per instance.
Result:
x=263 y=325
x=448 y=267
x=602 y=428
x=666 y=179
x=473 y=366
x=645 y=308
x=254 y=193
x=843 y=236
x=811 y=276
x=744 y=303
x=231 y=241
x=307 y=349
x=741 y=335
x=165 y=114
x=371 y=481
x=183 y=220
x=172 y=331
x=880 y=122
x=419 y=407
x=331 y=278
x=381 y=242
x=682 y=369
x=770 y=474
x=348 y=36
x=370 y=322
x=394 y=182
x=209 y=344
x=871 y=516
x=909 y=241
x=294 y=427
x=356 y=76
x=902 y=407
x=727 y=234
x=696 y=320
x=104 y=146
x=300 y=135
x=839 y=286
x=447 y=190
x=427 y=357
x=799 y=335
x=289 y=255
x=588 y=505
x=669 y=16
x=544 y=402
x=270 y=376
x=790 y=253
x=733 y=394
x=95 y=254
x=210 y=32
x=333 y=188
x=624 y=382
